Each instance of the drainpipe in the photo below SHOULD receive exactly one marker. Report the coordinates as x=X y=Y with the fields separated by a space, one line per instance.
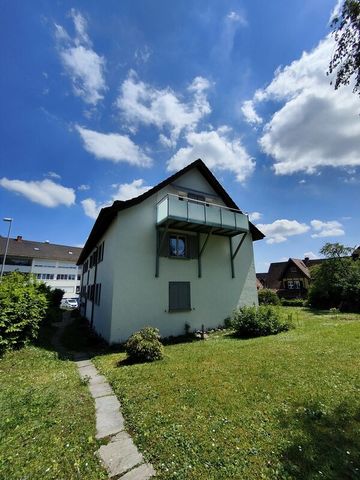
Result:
x=93 y=300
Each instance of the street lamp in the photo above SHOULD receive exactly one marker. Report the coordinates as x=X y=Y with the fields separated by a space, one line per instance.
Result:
x=9 y=220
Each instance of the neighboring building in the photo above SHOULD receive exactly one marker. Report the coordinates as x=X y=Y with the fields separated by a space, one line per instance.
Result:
x=53 y=264
x=180 y=253
x=290 y=279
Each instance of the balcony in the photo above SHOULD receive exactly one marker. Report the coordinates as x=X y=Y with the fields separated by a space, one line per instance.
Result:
x=183 y=213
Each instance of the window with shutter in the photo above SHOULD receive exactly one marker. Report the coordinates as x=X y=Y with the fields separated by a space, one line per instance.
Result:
x=179 y=296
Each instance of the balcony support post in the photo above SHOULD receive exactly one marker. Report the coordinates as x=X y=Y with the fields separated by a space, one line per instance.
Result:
x=159 y=243
x=201 y=250
x=233 y=254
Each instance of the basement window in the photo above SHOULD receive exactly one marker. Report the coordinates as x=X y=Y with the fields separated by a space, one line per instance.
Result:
x=179 y=296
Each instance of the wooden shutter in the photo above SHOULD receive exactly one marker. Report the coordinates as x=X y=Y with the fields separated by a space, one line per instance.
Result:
x=179 y=296
x=164 y=251
x=192 y=246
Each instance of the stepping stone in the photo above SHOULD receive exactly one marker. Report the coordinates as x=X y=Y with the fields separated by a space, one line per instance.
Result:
x=100 y=389
x=97 y=379
x=109 y=420
x=83 y=363
x=143 y=472
x=120 y=455
x=88 y=371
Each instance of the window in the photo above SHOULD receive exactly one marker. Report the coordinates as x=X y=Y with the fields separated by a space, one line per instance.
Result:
x=290 y=285
x=297 y=284
x=79 y=277
x=179 y=296
x=97 y=293
x=100 y=253
x=194 y=196
x=177 y=246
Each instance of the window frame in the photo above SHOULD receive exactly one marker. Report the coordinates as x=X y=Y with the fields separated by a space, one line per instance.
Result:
x=186 y=244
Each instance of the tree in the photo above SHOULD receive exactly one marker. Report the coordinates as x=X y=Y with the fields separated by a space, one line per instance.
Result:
x=346 y=59
x=336 y=281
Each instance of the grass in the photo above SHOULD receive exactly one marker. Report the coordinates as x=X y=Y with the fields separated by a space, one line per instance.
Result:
x=47 y=423
x=278 y=407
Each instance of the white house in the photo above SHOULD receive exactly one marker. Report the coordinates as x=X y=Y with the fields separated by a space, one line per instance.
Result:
x=53 y=264
x=180 y=253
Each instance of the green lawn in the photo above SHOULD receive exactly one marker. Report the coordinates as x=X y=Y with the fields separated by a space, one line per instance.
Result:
x=280 y=407
x=47 y=424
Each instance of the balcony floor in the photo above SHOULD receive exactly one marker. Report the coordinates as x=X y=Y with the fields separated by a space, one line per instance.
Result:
x=193 y=226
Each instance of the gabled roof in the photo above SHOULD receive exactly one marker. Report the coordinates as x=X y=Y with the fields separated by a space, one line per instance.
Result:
x=301 y=266
x=48 y=251
x=107 y=214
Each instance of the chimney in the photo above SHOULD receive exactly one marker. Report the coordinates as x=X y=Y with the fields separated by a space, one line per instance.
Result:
x=19 y=238
x=306 y=260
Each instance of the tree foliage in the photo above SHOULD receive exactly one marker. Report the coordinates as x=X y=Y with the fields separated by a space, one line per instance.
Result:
x=336 y=281
x=346 y=59
x=268 y=297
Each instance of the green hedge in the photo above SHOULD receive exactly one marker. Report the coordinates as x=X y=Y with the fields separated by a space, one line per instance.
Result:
x=268 y=297
x=258 y=321
x=23 y=305
x=293 y=302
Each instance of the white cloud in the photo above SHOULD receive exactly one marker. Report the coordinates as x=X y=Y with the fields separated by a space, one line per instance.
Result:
x=124 y=191
x=310 y=255
x=45 y=192
x=53 y=175
x=327 y=229
x=141 y=103
x=280 y=230
x=91 y=209
x=83 y=65
x=217 y=150
x=142 y=55
x=254 y=216
x=237 y=17
x=114 y=147
x=250 y=114
x=315 y=126
x=83 y=187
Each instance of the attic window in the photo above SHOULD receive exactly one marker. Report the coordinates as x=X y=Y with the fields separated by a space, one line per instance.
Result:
x=36 y=248
x=70 y=253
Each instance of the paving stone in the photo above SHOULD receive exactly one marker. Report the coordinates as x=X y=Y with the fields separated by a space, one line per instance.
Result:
x=143 y=472
x=97 y=379
x=100 y=389
x=88 y=371
x=109 y=420
x=83 y=363
x=120 y=456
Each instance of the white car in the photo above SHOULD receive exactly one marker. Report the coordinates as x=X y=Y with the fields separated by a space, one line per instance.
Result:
x=70 y=303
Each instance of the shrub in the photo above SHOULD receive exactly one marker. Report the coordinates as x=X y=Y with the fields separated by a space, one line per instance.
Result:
x=293 y=302
x=23 y=305
x=258 y=321
x=268 y=297
x=144 y=346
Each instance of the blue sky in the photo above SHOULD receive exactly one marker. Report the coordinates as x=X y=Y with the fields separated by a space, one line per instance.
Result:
x=101 y=100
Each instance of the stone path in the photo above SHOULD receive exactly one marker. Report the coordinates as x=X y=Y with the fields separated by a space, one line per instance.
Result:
x=120 y=455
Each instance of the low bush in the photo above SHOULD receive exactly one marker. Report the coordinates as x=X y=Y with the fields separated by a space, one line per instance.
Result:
x=293 y=302
x=23 y=305
x=268 y=297
x=144 y=346
x=260 y=321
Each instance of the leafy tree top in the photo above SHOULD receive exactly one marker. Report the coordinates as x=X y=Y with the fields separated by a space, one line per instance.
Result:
x=346 y=59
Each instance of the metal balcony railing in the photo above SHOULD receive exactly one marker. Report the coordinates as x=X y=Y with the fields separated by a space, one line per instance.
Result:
x=183 y=209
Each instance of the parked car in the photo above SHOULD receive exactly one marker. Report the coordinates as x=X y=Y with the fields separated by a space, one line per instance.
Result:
x=70 y=303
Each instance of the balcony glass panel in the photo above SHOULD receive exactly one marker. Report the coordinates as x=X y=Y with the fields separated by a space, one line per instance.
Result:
x=228 y=218
x=177 y=207
x=197 y=212
x=162 y=210
x=213 y=215
x=242 y=221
